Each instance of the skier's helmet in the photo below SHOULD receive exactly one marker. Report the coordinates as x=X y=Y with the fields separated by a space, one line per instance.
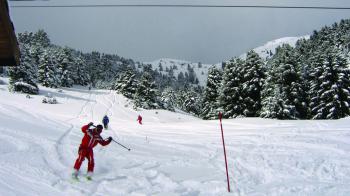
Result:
x=99 y=128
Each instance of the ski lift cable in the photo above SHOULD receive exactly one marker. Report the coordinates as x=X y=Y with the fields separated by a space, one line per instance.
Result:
x=181 y=6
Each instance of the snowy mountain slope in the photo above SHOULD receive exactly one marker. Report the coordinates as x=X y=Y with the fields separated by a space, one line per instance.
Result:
x=201 y=71
x=268 y=49
x=172 y=153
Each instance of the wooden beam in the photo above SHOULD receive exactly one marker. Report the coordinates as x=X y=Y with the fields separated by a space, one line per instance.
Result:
x=8 y=40
x=7 y=61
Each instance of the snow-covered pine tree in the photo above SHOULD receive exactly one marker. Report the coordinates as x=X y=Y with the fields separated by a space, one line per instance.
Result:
x=275 y=106
x=146 y=93
x=93 y=61
x=284 y=74
x=65 y=66
x=160 y=67
x=80 y=74
x=253 y=75
x=181 y=78
x=22 y=77
x=211 y=94
x=48 y=74
x=168 y=99
x=25 y=38
x=107 y=71
x=330 y=85
x=192 y=100
x=189 y=99
x=230 y=98
x=180 y=98
x=41 y=39
x=303 y=50
x=191 y=75
x=126 y=84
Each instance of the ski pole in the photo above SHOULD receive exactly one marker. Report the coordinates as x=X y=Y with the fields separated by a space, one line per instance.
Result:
x=121 y=145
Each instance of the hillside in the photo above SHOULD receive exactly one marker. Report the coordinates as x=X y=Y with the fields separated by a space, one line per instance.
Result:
x=269 y=49
x=201 y=70
x=171 y=153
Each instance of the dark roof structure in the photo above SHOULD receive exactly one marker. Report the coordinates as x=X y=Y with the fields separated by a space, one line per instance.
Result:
x=9 y=50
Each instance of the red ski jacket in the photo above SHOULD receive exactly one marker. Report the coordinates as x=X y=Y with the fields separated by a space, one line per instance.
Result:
x=92 y=138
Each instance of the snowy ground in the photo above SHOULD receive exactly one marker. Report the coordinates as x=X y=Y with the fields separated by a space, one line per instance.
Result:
x=172 y=153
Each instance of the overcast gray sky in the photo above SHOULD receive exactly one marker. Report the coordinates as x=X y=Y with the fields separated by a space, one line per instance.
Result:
x=207 y=35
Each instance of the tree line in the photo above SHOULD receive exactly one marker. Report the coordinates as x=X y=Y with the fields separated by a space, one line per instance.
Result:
x=308 y=81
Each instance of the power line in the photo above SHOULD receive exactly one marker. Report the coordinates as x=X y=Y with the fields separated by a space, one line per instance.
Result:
x=181 y=5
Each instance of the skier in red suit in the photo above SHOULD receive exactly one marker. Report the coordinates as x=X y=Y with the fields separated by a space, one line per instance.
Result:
x=91 y=138
x=139 y=118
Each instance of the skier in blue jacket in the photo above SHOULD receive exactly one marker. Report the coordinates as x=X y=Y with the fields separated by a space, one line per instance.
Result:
x=105 y=121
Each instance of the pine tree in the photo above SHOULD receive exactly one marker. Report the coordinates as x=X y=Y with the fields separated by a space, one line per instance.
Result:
x=22 y=77
x=330 y=86
x=192 y=100
x=160 y=67
x=191 y=75
x=181 y=78
x=41 y=39
x=107 y=72
x=93 y=61
x=48 y=73
x=65 y=67
x=168 y=99
x=80 y=74
x=230 y=97
x=252 y=80
x=285 y=75
x=25 y=38
x=146 y=93
x=275 y=106
x=126 y=84
x=211 y=94
x=303 y=48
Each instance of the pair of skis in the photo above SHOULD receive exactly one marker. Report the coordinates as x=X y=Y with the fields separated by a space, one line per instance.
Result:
x=89 y=178
x=75 y=178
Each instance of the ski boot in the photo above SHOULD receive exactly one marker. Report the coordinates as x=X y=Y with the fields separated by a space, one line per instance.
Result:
x=75 y=175
x=89 y=176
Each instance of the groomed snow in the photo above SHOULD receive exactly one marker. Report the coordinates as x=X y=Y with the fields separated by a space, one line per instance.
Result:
x=171 y=153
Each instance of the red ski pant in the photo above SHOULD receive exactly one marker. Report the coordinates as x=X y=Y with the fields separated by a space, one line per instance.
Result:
x=85 y=153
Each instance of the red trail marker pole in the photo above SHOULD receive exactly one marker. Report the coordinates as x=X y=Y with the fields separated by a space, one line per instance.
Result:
x=223 y=144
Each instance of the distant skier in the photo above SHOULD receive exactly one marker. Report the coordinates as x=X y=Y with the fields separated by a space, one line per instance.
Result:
x=105 y=121
x=91 y=138
x=139 y=118
x=90 y=85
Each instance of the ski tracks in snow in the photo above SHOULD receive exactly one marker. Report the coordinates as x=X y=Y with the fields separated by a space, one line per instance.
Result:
x=65 y=150
x=86 y=114
x=272 y=155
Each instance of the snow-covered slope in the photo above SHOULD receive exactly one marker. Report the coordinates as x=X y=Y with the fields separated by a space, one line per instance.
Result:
x=265 y=52
x=200 y=69
x=171 y=153
x=268 y=49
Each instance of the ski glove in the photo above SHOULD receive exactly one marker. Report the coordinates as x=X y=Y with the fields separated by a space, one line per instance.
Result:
x=90 y=123
x=110 y=138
